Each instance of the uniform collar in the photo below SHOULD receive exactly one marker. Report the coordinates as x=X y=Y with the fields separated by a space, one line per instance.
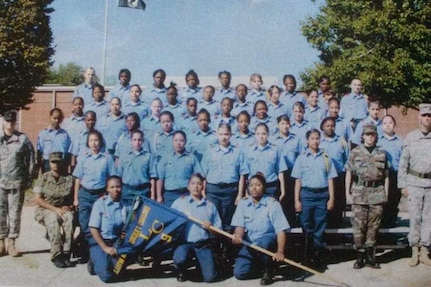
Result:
x=328 y=139
x=308 y=152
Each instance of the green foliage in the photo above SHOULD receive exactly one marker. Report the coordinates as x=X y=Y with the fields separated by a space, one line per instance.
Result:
x=25 y=50
x=385 y=43
x=66 y=75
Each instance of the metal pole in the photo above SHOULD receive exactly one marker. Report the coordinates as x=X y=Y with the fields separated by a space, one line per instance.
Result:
x=105 y=40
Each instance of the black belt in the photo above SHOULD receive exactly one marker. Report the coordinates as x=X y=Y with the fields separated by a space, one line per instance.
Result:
x=419 y=174
x=138 y=187
x=272 y=184
x=225 y=185
x=315 y=190
x=95 y=191
x=373 y=183
x=179 y=190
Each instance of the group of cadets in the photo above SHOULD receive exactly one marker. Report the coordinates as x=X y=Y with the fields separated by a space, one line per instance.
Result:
x=156 y=139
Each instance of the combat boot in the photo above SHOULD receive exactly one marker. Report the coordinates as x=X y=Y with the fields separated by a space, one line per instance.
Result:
x=414 y=261
x=370 y=259
x=359 y=259
x=2 y=248
x=11 y=250
x=424 y=258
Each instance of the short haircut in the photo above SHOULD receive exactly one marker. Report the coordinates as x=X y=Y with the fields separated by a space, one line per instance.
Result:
x=127 y=72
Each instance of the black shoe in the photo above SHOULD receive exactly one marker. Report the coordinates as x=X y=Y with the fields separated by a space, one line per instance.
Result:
x=90 y=268
x=59 y=262
x=370 y=259
x=266 y=279
x=359 y=260
x=181 y=277
x=67 y=261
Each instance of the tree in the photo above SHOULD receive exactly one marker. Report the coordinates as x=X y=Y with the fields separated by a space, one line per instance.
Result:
x=25 y=50
x=67 y=75
x=385 y=43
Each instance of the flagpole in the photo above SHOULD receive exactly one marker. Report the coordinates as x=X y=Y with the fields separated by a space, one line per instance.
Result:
x=269 y=253
x=105 y=40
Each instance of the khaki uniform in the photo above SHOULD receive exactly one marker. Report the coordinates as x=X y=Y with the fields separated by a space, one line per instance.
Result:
x=58 y=193
x=368 y=193
x=414 y=173
x=17 y=163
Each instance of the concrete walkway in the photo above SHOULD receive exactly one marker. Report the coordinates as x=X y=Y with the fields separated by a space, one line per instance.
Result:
x=34 y=268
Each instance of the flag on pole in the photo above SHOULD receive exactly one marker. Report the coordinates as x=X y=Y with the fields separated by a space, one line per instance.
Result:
x=153 y=227
x=136 y=4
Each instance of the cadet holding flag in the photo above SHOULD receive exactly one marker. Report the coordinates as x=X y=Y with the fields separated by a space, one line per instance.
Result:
x=414 y=179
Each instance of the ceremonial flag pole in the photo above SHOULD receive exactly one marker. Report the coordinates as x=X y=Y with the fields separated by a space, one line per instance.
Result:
x=105 y=40
x=272 y=254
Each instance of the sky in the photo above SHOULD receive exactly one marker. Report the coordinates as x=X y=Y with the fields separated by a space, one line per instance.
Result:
x=209 y=36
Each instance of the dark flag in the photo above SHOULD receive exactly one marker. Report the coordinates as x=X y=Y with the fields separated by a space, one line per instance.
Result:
x=151 y=227
x=136 y=4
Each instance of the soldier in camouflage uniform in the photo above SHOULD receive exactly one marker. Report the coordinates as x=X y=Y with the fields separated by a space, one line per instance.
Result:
x=54 y=195
x=414 y=179
x=17 y=163
x=367 y=184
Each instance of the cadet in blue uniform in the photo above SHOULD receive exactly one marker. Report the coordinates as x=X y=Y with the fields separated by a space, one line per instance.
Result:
x=257 y=92
x=172 y=105
x=242 y=103
x=290 y=96
x=98 y=104
x=204 y=137
x=91 y=172
x=158 y=89
x=225 y=78
x=313 y=112
x=151 y=124
x=261 y=117
x=107 y=219
x=192 y=90
x=79 y=144
x=137 y=169
x=314 y=195
x=263 y=219
x=225 y=169
x=225 y=115
x=243 y=137
x=196 y=238
x=275 y=107
x=299 y=126
x=161 y=143
x=85 y=90
x=74 y=124
x=338 y=150
x=121 y=90
x=134 y=104
x=52 y=139
x=174 y=170
x=189 y=122
x=264 y=157
x=373 y=117
x=208 y=103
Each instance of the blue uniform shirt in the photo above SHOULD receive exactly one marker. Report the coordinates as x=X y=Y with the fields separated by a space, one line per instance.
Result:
x=314 y=171
x=242 y=141
x=188 y=124
x=269 y=121
x=220 y=94
x=124 y=145
x=343 y=129
x=216 y=121
x=212 y=107
x=278 y=110
x=393 y=147
x=300 y=130
x=112 y=127
x=190 y=93
x=289 y=99
x=177 y=110
x=290 y=147
x=337 y=149
x=255 y=95
x=356 y=139
x=109 y=217
x=73 y=126
x=353 y=107
x=100 y=108
x=175 y=169
x=262 y=219
x=51 y=140
x=239 y=107
x=266 y=159
x=149 y=95
x=200 y=141
x=314 y=116
x=150 y=126
x=94 y=170
x=137 y=167
x=84 y=91
x=202 y=210
x=224 y=165
x=138 y=107
x=162 y=143
x=121 y=92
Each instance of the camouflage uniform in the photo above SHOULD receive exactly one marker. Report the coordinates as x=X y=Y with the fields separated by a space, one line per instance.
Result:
x=57 y=193
x=414 y=173
x=368 y=193
x=17 y=164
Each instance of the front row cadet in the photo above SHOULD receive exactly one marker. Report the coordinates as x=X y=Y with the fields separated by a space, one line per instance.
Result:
x=196 y=240
x=367 y=184
x=54 y=197
x=414 y=179
x=107 y=219
x=259 y=219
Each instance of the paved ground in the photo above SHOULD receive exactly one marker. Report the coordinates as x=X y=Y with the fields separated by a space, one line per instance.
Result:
x=35 y=269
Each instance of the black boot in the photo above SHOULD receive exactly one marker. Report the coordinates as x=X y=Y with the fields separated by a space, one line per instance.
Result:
x=370 y=259
x=319 y=262
x=266 y=278
x=309 y=250
x=359 y=259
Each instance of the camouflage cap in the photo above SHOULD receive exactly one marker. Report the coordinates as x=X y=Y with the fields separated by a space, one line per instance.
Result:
x=369 y=128
x=425 y=108
x=56 y=157
x=9 y=116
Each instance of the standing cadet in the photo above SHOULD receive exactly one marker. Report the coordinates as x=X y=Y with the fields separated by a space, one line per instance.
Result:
x=314 y=172
x=108 y=216
x=367 y=183
x=266 y=225
x=196 y=238
x=414 y=179
x=54 y=197
x=17 y=167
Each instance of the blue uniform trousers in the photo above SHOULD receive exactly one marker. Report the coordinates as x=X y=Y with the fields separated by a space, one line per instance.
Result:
x=86 y=200
x=169 y=196
x=250 y=260
x=313 y=216
x=223 y=197
x=204 y=256
x=130 y=192
x=271 y=189
x=103 y=262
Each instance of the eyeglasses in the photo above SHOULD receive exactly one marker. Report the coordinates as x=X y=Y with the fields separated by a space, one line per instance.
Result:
x=369 y=134
x=426 y=115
